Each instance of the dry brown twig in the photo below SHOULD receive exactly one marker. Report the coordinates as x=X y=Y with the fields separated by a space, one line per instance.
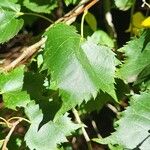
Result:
x=12 y=125
x=69 y=18
x=28 y=51
x=4 y=147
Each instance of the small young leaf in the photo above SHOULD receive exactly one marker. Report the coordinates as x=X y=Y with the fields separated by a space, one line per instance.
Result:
x=79 y=69
x=50 y=134
x=91 y=20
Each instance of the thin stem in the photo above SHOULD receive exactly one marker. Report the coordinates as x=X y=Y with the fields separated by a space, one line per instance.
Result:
x=5 y=121
x=75 y=112
x=2 y=123
x=95 y=128
x=145 y=3
x=85 y=13
x=113 y=109
x=23 y=119
x=82 y=23
x=38 y=15
x=4 y=147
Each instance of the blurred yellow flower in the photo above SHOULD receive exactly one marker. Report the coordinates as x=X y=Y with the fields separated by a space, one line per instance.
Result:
x=146 y=23
x=139 y=21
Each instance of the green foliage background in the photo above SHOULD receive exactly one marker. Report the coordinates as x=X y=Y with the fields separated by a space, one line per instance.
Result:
x=71 y=71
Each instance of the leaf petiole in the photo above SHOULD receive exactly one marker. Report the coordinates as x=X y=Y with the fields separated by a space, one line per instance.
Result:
x=37 y=15
x=82 y=22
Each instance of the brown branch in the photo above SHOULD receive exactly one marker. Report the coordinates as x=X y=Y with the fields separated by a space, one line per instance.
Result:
x=27 y=52
x=71 y=16
x=76 y=11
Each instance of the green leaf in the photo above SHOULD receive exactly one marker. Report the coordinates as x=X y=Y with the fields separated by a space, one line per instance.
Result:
x=10 y=87
x=16 y=99
x=9 y=5
x=49 y=100
x=50 y=134
x=9 y=25
x=68 y=2
x=13 y=1
x=33 y=84
x=137 y=57
x=144 y=75
x=147 y=85
x=133 y=129
x=91 y=20
x=12 y=81
x=102 y=38
x=124 y=4
x=79 y=69
x=40 y=6
x=39 y=60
